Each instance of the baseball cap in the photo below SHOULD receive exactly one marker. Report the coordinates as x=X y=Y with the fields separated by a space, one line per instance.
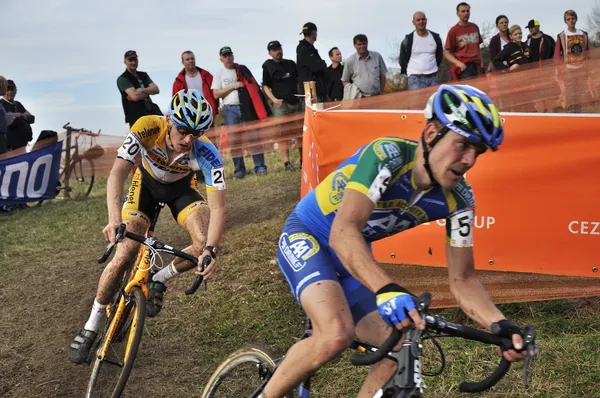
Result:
x=273 y=45
x=533 y=23
x=308 y=28
x=225 y=50
x=130 y=54
x=10 y=84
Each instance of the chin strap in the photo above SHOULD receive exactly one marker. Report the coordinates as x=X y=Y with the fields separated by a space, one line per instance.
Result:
x=427 y=149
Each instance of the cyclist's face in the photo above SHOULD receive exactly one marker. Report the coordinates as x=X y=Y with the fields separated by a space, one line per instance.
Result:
x=181 y=142
x=452 y=157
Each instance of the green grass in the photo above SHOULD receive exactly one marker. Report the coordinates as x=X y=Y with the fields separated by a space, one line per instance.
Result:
x=49 y=276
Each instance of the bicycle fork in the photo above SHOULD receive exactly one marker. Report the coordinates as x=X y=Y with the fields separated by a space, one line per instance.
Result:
x=407 y=381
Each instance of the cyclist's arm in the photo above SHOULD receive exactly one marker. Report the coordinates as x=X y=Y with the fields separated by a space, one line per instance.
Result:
x=347 y=241
x=216 y=225
x=114 y=190
x=467 y=289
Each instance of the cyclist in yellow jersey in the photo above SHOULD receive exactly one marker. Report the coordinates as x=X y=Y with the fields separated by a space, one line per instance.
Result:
x=173 y=150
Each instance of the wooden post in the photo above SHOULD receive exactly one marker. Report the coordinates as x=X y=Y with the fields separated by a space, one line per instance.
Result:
x=311 y=87
x=67 y=163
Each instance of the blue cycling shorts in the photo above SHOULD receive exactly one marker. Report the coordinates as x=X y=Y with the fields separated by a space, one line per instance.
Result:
x=304 y=260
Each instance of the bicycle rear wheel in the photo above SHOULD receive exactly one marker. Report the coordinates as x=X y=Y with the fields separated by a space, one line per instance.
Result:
x=241 y=373
x=109 y=376
x=82 y=178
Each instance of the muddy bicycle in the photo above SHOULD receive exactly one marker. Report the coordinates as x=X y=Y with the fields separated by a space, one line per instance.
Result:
x=77 y=173
x=116 y=347
x=246 y=372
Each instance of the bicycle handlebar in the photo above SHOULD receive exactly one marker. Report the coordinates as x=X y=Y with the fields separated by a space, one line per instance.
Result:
x=437 y=324
x=387 y=346
x=159 y=246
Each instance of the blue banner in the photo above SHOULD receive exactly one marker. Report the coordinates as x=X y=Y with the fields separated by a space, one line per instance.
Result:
x=31 y=176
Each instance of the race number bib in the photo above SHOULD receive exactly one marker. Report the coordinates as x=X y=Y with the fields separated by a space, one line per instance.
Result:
x=218 y=177
x=130 y=148
x=461 y=233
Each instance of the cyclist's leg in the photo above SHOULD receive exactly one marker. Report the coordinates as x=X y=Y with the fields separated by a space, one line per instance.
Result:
x=190 y=209
x=370 y=328
x=314 y=281
x=137 y=212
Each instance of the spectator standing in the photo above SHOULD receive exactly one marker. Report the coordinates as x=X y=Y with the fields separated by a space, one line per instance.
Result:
x=3 y=124
x=541 y=46
x=421 y=53
x=280 y=84
x=194 y=78
x=500 y=39
x=462 y=46
x=571 y=52
x=335 y=88
x=311 y=66
x=136 y=87
x=365 y=69
x=515 y=53
x=242 y=101
x=19 y=131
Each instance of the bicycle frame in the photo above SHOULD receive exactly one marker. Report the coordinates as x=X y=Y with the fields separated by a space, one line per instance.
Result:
x=138 y=278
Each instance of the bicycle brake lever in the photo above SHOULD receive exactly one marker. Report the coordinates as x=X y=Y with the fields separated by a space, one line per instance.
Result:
x=529 y=343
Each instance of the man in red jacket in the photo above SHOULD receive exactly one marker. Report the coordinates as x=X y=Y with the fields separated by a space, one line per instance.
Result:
x=193 y=77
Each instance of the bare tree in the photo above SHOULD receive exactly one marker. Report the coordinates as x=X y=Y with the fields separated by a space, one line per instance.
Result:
x=487 y=30
x=593 y=22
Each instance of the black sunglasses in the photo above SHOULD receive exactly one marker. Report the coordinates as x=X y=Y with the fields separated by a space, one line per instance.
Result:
x=186 y=131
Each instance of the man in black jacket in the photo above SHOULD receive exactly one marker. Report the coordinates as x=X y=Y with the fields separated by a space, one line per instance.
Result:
x=136 y=87
x=541 y=46
x=19 y=131
x=421 y=53
x=311 y=66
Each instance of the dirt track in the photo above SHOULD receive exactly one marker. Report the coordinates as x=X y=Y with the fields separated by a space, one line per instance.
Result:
x=49 y=298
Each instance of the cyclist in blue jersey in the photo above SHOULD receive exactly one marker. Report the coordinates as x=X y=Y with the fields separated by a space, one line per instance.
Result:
x=388 y=186
x=173 y=150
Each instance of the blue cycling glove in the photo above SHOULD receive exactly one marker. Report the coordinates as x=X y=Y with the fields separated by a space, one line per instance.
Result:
x=394 y=302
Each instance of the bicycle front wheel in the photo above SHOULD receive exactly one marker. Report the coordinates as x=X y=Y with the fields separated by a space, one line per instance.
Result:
x=110 y=375
x=242 y=374
x=81 y=179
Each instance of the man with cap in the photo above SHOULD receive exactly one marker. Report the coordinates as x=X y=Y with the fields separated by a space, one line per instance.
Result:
x=280 y=84
x=311 y=66
x=19 y=120
x=541 y=46
x=242 y=101
x=136 y=87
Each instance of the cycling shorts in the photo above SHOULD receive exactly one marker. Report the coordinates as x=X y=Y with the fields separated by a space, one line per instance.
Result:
x=182 y=197
x=304 y=260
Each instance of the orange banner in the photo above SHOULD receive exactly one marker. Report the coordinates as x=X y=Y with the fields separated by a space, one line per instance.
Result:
x=536 y=198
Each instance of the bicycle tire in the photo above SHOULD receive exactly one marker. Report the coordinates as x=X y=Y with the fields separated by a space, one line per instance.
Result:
x=254 y=354
x=82 y=178
x=132 y=344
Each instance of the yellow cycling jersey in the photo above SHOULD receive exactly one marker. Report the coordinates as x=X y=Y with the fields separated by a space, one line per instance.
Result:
x=147 y=138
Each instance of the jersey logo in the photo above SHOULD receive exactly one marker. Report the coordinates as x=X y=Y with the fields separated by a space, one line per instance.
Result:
x=389 y=223
x=338 y=185
x=386 y=149
x=145 y=133
x=297 y=248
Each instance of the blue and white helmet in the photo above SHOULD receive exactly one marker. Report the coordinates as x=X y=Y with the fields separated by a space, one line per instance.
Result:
x=191 y=110
x=467 y=111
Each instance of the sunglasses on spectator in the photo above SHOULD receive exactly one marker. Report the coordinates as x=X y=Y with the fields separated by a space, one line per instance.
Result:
x=185 y=131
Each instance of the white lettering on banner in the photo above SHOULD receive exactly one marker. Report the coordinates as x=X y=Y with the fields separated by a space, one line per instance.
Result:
x=22 y=168
x=584 y=227
x=27 y=175
x=45 y=161
x=480 y=222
